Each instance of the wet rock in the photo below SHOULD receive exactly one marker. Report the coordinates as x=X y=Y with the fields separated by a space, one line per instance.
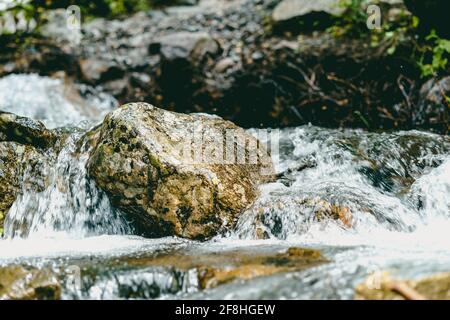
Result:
x=21 y=283
x=278 y=217
x=161 y=272
x=381 y=286
x=249 y=267
x=25 y=131
x=217 y=268
x=433 y=108
x=22 y=154
x=298 y=10
x=16 y=162
x=167 y=170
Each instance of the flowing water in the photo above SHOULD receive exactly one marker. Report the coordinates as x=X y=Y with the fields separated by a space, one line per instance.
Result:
x=393 y=188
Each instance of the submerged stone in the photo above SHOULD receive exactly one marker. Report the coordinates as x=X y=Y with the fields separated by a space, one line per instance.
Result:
x=272 y=217
x=177 y=174
x=251 y=266
x=381 y=286
x=20 y=283
x=217 y=268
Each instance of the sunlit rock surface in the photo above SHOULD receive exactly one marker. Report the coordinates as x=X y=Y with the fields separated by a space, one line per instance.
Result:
x=174 y=173
x=25 y=283
x=382 y=286
x=25 y=131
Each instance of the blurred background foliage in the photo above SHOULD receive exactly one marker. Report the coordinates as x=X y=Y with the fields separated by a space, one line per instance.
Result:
x=35 y=9
x=431 y=50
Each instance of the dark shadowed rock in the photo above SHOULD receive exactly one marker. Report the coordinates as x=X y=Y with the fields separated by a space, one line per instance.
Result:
x=433 y=108
x=25 y=131
x=167 y=170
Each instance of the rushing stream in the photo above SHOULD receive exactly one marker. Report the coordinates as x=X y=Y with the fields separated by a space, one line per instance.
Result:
x=394 y=189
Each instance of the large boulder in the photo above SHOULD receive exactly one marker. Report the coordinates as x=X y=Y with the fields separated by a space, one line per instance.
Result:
x=174 y=174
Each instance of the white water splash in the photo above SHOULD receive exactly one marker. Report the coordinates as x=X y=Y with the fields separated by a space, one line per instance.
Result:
x=396 y=187
x=51 y=101
x=71 y=204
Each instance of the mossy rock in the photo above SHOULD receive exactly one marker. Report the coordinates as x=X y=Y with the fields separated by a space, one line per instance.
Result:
x=165 y=170
x=25 y=131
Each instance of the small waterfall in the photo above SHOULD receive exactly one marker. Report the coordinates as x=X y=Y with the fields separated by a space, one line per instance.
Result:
x=370 y=201
x=52 y=101
x=71 y=204
x=388 y=182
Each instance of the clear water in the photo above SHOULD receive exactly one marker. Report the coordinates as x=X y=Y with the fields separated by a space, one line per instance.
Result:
x=396 y=187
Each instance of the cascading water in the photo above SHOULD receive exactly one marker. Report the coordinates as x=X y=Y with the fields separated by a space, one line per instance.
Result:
x=71 y=204
x=369 y=201
x=52 y=101
x=385 y=182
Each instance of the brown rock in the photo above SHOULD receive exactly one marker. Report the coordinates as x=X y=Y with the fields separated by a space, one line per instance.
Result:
x=20 y=283
x=381 y=286
x=170 y=173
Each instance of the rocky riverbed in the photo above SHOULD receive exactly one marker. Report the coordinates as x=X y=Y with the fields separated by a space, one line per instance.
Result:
x=125 y=172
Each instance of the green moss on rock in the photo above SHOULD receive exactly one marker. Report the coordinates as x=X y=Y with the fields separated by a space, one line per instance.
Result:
x=140 y=160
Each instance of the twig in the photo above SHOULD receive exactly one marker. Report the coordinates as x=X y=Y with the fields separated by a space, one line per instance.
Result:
x=406 y=291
